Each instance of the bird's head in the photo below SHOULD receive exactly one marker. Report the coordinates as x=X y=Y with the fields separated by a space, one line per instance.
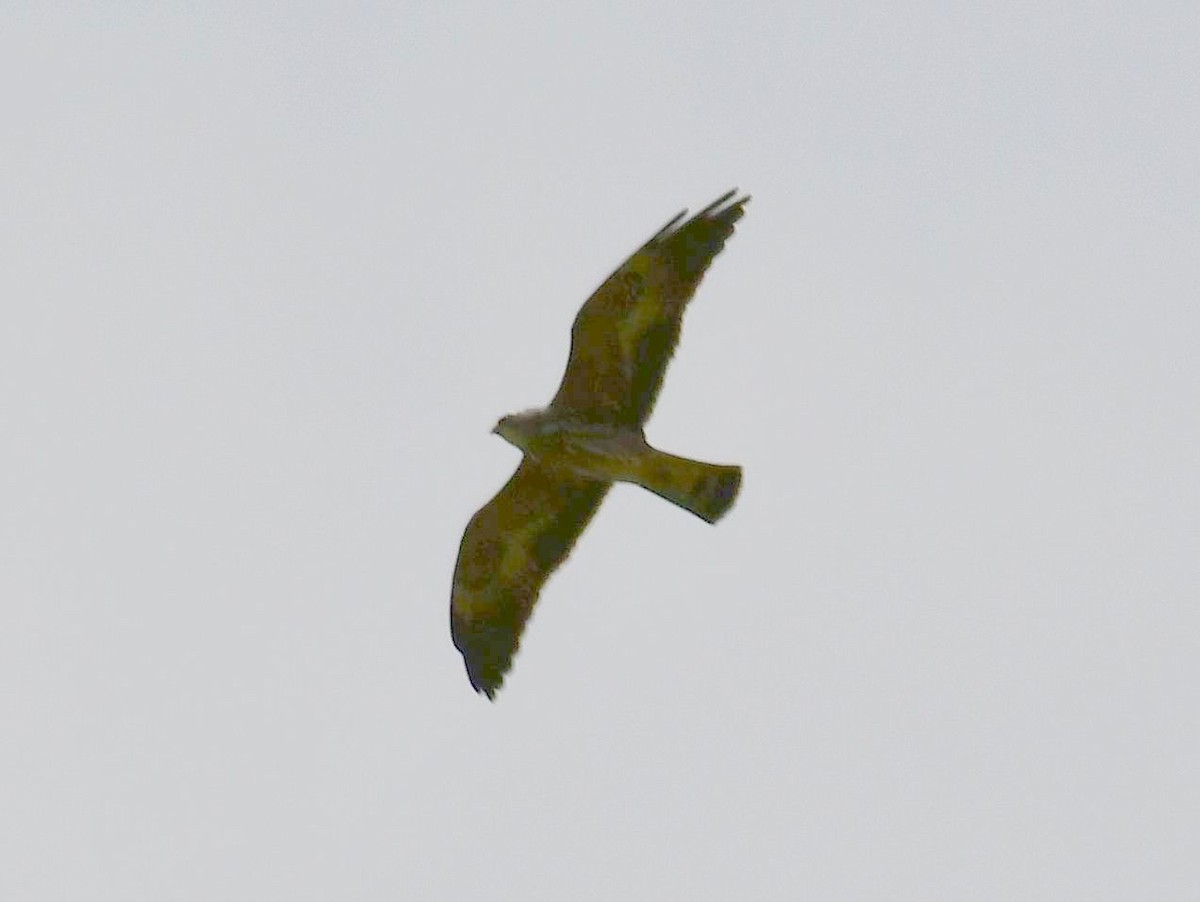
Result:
x=518 y=428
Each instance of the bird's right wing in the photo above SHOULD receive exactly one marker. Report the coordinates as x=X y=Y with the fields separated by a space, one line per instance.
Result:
x=512 y=544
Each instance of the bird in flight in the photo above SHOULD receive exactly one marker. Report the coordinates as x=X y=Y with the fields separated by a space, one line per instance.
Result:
x=590 y=436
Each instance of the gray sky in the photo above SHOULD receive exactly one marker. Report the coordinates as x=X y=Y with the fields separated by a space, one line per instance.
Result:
x=270 y=275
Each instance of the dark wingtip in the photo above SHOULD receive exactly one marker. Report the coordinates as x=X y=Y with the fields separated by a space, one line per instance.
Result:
x=732 y=213
x=484 y=683
x=487 y=653
x=720 y=201
x=693 y=245
x=670 y=224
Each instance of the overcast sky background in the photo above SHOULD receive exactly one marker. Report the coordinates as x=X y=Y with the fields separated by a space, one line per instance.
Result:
x=271 y=273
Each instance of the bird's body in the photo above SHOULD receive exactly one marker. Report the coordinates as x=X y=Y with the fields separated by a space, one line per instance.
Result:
x=612 y=452
x=590 y=436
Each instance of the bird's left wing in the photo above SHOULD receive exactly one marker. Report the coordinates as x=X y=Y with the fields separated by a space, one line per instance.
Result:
x=512 y=544
x=625 y=333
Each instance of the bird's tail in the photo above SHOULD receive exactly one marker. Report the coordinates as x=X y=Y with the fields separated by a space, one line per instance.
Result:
x=707 y=490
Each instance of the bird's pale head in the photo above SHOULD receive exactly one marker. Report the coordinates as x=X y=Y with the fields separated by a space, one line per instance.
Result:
x=518 y=428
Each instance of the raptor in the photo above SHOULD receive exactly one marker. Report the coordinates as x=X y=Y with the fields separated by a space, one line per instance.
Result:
x=590 y=436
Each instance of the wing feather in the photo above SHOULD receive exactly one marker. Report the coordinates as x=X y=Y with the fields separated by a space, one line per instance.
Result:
x=510 y=547
x=625 y=333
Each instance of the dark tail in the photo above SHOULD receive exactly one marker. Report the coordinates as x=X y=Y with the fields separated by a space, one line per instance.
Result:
x=707 y=490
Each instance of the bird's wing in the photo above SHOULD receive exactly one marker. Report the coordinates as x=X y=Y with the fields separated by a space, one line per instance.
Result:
x=625 y=333
x=512 y=544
